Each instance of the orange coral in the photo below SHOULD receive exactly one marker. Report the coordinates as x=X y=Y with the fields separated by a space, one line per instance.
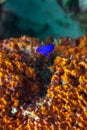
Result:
x=64 y=106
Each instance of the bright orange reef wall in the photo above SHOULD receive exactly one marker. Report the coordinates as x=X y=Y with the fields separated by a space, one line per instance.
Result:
x=63 y=106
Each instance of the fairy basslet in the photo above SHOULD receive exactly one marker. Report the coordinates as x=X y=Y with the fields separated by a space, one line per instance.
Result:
x=45 y=49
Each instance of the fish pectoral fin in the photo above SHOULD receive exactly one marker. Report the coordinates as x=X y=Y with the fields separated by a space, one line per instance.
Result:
x=47 y=54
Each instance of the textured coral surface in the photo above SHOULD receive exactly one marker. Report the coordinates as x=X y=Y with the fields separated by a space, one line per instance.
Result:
x=43 y=93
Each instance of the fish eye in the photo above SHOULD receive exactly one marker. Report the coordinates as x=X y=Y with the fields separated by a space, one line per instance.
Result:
x=38 y=49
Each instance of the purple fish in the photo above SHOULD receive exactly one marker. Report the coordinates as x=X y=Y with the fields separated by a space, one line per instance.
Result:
x=45 y=49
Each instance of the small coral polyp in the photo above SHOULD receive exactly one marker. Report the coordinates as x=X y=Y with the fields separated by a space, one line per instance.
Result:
x=27 y=100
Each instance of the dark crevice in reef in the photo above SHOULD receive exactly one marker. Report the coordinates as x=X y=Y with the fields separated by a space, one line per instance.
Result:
x=44 y=75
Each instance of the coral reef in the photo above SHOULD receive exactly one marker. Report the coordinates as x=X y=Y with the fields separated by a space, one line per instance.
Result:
x=43 y=93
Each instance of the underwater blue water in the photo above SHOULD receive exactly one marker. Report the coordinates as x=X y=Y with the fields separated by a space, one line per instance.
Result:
x=40 y=18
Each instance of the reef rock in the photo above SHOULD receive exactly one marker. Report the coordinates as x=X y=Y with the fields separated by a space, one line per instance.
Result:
x=39 y=92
